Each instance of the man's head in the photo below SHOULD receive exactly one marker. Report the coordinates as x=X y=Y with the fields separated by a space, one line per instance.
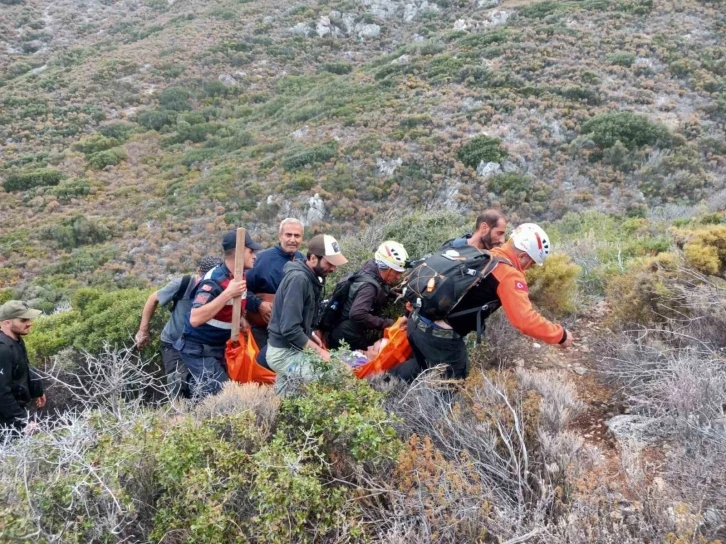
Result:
x=531 y=244
x=290 y=234
x=229 y=245
x=490 y=229
x=324 y=255
x=205 y=264
x=391 y=260
x=16 y=318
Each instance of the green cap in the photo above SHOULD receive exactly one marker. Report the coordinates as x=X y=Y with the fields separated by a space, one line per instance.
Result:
x=17 y=309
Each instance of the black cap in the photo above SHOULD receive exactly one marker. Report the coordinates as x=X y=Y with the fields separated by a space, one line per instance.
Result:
x=229 y=241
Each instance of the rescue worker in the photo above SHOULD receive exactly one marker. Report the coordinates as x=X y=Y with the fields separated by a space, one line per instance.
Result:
x=176 y=294
x=442 y=341
x=489 y=232
x=296 y=307
x=19 y=382
x=264 y=279
x=209 y=322
x=362 y=325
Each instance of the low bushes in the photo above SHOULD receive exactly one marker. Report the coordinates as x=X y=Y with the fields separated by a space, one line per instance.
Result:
x=705 y=248
x=632 y=130
x=96 y=317
x=318 y=154
x=481 y=149
x=28 y=179
x=78 y=231
x=553 y=287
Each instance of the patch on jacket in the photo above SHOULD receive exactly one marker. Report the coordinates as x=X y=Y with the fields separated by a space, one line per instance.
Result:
x=521 y=286
x=202 y=298
x=206 y=287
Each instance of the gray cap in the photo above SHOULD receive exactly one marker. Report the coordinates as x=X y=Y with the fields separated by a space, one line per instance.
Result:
x=17 y=309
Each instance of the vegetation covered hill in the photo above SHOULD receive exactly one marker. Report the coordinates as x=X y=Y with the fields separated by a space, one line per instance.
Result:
x=133 y=133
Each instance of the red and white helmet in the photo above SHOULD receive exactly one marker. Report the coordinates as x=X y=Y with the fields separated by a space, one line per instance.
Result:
x=392 y=254
x=533 y=240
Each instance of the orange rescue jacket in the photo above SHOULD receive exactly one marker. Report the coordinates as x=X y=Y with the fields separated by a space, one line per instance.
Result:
x=513 y=293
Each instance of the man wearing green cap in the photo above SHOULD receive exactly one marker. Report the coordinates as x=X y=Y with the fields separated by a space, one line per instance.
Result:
x=19 y=382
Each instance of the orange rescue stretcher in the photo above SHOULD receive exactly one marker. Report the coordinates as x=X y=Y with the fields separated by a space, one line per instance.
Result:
x=242 y=365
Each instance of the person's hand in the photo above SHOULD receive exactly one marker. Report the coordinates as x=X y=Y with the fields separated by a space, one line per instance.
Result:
x=40 y=401
x=324 y=355
x=568 y=341
x=235 y=289
x=315 y=338
x=142 y=338
x=404 y=322
x=409 y=307
x=266 y=311
x=31 y=428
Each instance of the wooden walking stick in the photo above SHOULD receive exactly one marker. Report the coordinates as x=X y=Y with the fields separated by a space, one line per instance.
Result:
x=239 y=271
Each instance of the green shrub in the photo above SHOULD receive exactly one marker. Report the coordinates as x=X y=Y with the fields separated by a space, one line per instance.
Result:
x=117 y=131
x=636 y=297
x=632 y=130
x=97 y=316
x=156 y=119
x=71 y=188
x=553 y=287
x=24 y=180
x=481 y=149
x=705 y=248
x=540 y=10
x=318 y=154
x=339 y=68
x=175 y=99
x=110 y=157
x=621 y=59
x=215 y=88
x=77 y=231
x=94 y=144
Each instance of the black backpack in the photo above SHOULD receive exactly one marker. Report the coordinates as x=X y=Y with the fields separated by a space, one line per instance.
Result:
x=439 y=283
x=183 y=286
x=331 y=308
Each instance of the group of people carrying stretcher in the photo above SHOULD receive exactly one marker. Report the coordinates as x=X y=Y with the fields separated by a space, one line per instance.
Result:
x=445 y=296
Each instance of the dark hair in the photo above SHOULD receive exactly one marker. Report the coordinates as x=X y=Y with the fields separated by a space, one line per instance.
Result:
x=230 y=252
x=490 y=217
x=318 y=257
x=205 y=264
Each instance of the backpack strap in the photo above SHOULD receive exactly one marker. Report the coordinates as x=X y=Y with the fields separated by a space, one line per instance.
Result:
x=183 y=286
x=492 y=305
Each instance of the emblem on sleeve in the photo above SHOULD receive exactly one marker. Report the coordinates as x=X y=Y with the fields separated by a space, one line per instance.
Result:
x=521 y=286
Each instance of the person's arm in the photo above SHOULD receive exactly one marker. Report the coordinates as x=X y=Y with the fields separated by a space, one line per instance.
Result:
x=361 y=311
x=142 y=337
x=291 y=320
x=513 y=293
x=10 y=410
x=205 y=305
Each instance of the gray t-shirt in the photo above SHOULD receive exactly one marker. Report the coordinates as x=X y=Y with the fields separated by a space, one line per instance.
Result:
x=174 y=328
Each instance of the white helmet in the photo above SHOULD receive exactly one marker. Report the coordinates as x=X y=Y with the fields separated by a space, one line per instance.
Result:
x=392 y=254
x=533 y=240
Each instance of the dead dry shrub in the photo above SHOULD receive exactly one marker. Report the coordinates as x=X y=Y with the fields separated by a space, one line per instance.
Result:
x=480 y=465
x=235 y=397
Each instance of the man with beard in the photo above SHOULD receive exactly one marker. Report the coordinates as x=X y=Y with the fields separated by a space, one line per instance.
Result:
x=489 y=232
x=296 y=305
x=264 y=279
x=19 y=382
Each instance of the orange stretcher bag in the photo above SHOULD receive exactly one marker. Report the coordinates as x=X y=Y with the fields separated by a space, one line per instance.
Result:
x=242 y=363
x=395 y=352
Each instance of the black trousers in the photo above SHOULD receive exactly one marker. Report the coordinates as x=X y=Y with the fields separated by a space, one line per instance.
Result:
x=431 y=350
x=356 y=338
x=260 y=335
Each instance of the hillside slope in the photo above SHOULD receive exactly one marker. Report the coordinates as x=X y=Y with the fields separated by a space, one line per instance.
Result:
x=132 y=131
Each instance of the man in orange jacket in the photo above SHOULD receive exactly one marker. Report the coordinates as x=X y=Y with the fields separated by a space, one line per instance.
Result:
x=442 y=341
